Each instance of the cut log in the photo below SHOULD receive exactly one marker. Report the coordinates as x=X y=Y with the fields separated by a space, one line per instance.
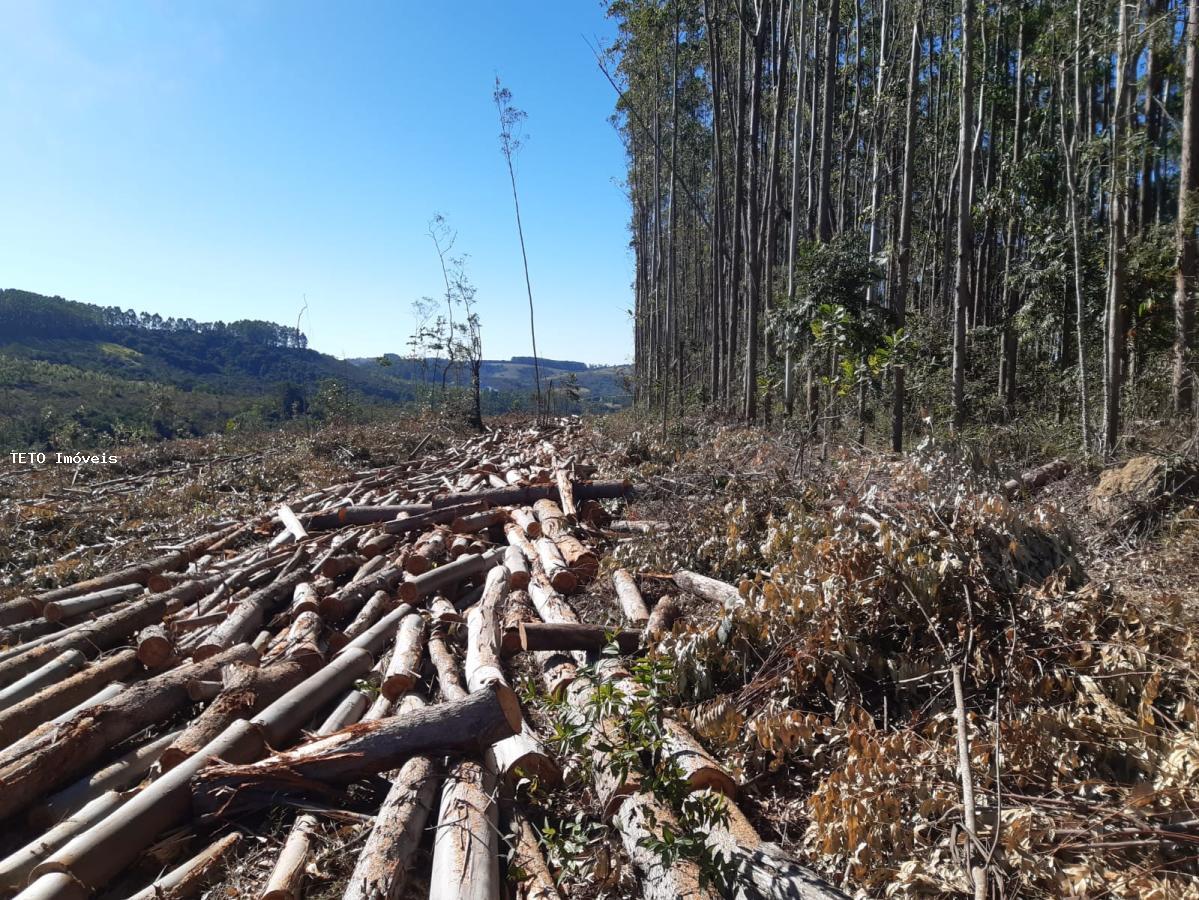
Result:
x=382 y=868
x=246 y=689
x=554 y=566
x=523 y=518
x=16 y=868
x=364 y=515
x=287 y=877
x=291 y=522
x=377 y=545
x=534 y=882
x=351 y=598
x=403 y=671
x=350 y=709
x=763 y=871
x=579 y=559
x=57 y=610
x=518 y=568
x=572 y=636
x=19 y=720
x=379 y=603
x=566 y=493
x=302 y=643
x=448 y=575
x=522 y=753
x=478 y=521
x=122 y=773
x=582 y=490
x=698 y=767
x=155 y=647
x=482 y=633
x=642 y=821
x=369 y=568
x=94 y=857
x=88 y=735
x=466 y=844
x=429 y=548
x=517 y=609
x=661 y=620
x=248 y=616
x=468 y=725
x=708 y=588
x=304 y=599
x=63 y=666
x=336 y=566
x=1037 y=478
x=448 y=682
x=439 y=516
x=629 y=597
x=188 y=879
x=443 y=613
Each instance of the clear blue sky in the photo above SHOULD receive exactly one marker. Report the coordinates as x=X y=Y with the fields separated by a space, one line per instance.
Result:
x=218 y=160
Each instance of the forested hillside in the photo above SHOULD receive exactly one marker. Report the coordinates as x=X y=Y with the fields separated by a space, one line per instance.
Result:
x=74 y=374
x=870 y=210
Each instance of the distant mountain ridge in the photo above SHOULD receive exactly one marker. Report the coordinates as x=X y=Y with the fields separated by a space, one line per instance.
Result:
x=66 y=365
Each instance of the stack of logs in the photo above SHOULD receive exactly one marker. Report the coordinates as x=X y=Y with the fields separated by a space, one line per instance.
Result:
x=433 y=572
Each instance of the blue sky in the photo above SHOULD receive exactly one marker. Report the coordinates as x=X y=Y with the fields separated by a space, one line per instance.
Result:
x=219 y=160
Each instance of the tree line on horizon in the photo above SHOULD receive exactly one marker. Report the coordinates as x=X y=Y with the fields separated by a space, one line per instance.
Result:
x=859 y=210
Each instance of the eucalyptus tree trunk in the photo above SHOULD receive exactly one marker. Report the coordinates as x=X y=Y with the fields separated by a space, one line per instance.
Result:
x=965 y=237
x=1117 y=263
x=753 y=257
x=1011 y=302
x=904 y=249
x=793 y=235
x=1188 y=220
x=824 y=205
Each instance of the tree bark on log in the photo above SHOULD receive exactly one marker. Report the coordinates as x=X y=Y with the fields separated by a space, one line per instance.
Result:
x=336 y=566
x=403 y=671
x=708 y=588
x=379 y=603
x=699 y=768
x=84 y=738
x=22 y=718
x=642 y=820
x=246 y=689
x=287 y=877
x=363 y=515
x=579 y=559
x=666 y=612
x=538 y=882
x=301 y=644
x=57 y=610
x=188 y=879
x=518 y=609
x=570 y=636
x=466 y=844
x=382 y=868
x=467 y=725
x=582 y=490
x=524 y=519
x=155 y=647
x=248 y=616
x=451 y=573
x=554 y=566
x=304 y=599
x=518 y=568
x=629 y=597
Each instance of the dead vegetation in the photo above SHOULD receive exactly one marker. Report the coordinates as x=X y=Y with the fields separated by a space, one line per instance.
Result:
x=795 y=656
